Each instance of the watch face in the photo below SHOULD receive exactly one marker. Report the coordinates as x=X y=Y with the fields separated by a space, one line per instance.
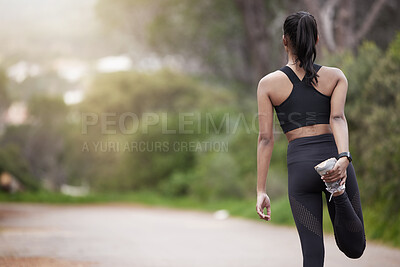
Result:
x=348 y=156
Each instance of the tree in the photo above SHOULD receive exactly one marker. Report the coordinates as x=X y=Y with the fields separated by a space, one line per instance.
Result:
x=4 y=97
x=239 y=40
x=147 y=153
x=40 y=143
x=232 y=40
x=342 y=25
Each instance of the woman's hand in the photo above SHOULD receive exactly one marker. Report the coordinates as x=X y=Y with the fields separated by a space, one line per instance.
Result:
x=263 y=202
x=338 y=172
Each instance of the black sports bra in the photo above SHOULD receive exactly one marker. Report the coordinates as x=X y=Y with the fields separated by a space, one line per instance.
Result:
x=304 y=106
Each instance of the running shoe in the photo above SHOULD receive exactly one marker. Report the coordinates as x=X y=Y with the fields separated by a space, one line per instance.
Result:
x=322 y=169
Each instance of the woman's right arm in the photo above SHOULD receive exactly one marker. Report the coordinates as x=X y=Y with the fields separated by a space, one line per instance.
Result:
x=339 y=128
x=264 y=147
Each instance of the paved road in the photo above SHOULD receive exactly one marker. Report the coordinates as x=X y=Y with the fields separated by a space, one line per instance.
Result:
x=119 y=235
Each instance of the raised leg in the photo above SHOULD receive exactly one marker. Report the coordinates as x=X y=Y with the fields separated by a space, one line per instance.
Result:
x=347 y=219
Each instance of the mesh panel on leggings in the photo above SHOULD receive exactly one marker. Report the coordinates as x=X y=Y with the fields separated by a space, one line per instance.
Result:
x=355 y=202
x=353 y=226
x=302 y=215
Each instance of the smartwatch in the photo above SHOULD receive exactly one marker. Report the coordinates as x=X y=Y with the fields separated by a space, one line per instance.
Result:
x=345 y=154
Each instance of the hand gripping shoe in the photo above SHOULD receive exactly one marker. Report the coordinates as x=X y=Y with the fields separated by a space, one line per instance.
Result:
x=322 y=168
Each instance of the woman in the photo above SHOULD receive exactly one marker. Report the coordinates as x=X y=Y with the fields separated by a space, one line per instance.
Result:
x=309 y=100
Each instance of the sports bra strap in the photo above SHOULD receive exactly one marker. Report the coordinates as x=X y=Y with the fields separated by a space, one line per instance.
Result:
x=317 y=67
x=291 y=75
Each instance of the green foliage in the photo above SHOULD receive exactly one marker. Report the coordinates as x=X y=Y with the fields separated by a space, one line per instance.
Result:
x=158 y=156
x=178 y=184
x=380 y=126
x=191 y=109
x=183 y=27
x=4 y=94
x=187 y=26
x=159 y=91
x=170 y=163
x=48 y=110
x=12 y=161
x=373 y=109
x=216 y=177
x=39 y=145
x=379 y=226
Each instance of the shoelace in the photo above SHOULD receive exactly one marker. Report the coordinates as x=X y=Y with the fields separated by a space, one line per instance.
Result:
x=334 y=187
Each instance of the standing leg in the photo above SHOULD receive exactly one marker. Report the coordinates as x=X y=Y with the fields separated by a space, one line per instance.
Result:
x=307 y=214
x=347 y=219
x=305 y=197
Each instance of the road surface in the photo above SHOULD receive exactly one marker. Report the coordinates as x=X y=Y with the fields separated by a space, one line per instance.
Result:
x=119 y=235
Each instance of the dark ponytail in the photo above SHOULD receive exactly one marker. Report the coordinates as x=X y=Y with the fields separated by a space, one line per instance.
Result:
x=301 y=28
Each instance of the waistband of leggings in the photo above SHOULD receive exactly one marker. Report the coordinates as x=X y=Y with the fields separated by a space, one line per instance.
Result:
x=328 y=137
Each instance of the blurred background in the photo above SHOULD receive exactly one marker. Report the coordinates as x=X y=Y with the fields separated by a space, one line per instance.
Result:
x=93 y=94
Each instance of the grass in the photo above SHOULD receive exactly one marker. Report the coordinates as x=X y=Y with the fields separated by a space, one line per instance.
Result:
x=377 y=228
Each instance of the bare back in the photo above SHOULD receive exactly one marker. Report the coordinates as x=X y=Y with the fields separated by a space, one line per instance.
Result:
x=281 y=88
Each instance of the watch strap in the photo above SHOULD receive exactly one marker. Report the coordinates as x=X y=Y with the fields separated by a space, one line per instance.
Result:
x=345 y=154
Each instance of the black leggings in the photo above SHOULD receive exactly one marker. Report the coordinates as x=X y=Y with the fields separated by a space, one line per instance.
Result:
x=305 y=196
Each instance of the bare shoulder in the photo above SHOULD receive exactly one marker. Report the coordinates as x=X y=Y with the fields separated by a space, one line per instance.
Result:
x=271 y=82
x=332 y=73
